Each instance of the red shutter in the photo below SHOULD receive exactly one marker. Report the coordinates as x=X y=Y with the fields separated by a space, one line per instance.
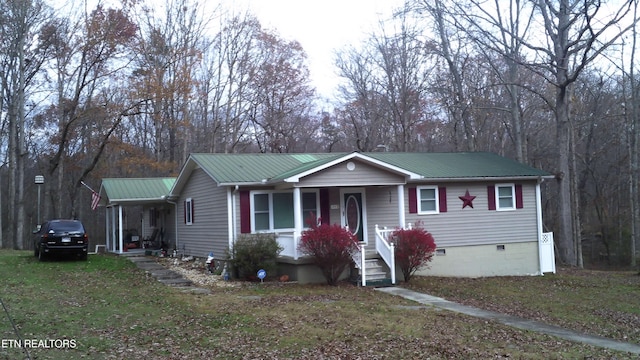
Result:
x=519 y=204
x=442 y=198
x=325 y=207
x=491 y=197
x=413 y=200
x=184 y=207
x=245 y=212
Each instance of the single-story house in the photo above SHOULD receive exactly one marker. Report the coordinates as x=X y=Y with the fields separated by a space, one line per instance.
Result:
x=483 y=210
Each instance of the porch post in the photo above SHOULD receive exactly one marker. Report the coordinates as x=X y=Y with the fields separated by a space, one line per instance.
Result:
x=297 y=219
x=401 y=218
x=106 y=229
x=113 y=228
x=120 y=227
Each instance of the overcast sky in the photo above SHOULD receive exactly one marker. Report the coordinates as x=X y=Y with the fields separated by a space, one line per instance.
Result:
x=321 y=26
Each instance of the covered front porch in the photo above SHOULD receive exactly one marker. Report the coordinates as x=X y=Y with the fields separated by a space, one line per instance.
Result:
x=361 y=210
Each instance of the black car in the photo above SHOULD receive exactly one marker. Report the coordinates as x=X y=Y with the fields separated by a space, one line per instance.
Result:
x=64 y=237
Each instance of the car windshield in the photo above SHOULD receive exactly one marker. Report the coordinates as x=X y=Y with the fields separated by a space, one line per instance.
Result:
x=66 y=226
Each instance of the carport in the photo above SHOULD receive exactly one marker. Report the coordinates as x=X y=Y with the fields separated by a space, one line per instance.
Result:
x=158 y=213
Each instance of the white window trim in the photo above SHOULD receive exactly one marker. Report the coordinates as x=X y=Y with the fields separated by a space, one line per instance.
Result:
x=271 y=220
x=513 y=197
x=188 y=204
x=419 y=200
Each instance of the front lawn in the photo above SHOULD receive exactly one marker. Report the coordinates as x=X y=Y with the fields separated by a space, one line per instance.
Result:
x=604 y=303
x=112 y=310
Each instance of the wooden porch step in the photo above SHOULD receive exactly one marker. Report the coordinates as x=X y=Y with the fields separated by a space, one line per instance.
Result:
x=377 y=273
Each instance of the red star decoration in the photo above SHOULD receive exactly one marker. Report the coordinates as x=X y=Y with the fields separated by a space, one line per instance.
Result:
x=467 y=200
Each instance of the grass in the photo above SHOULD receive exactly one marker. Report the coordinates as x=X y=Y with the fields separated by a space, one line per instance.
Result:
x=113 y=310
x=601 y=303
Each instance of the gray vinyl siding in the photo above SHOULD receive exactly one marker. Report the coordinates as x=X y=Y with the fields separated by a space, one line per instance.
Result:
x=209 y=231
x=382 y=209
x=479 y=225
x=362 y=175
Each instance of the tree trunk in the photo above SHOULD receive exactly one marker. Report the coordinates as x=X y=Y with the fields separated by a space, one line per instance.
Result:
x=633 y=148
x=566 y=244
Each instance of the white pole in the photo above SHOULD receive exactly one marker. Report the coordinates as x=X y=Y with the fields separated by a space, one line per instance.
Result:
x=401 y=217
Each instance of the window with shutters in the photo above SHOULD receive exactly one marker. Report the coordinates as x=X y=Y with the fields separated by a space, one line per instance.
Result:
x=428 y=202
x=505 y=197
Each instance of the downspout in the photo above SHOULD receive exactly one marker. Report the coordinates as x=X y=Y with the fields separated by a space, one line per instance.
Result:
x=175 y=219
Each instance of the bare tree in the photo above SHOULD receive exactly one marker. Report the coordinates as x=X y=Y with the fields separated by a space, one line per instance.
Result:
x=19 y=20
x=86 y=58
x=228 y=68
x=362 y=117
x=170 y=50
x=577 y=32
x=282 y=96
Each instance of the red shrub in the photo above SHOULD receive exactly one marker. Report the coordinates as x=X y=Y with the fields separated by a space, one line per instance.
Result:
x=331 y=247
x=414 y=248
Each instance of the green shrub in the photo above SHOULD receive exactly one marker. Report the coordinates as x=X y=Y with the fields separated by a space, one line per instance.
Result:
x=414 y=248
x=331 y=247
x=252 y=252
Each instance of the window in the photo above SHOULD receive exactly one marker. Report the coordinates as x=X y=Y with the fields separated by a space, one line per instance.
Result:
x=309 y=208
x=505 y=197
x=273 y=210
x=282 y=210
x=428 y=202
x=188 y=211
x=261 y=213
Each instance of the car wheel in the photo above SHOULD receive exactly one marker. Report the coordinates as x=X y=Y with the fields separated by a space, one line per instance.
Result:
x=36 y=251
x=41 y=255
x=83 y=256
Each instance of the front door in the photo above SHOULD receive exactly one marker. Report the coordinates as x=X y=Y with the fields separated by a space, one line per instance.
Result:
x=353 y=212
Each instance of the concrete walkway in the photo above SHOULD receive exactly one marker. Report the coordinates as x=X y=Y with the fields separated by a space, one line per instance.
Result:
x=514 y=321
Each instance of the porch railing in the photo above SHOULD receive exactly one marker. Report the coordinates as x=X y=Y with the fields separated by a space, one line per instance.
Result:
x=289 y=244
x=359 y=260
x=386 y=249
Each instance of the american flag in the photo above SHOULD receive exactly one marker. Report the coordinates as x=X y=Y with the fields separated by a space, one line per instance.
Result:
x=95 y=200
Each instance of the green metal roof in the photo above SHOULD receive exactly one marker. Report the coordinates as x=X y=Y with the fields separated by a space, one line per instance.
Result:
x=230 y=169
x=256 y=168
x=137 y=189
x=458 y=165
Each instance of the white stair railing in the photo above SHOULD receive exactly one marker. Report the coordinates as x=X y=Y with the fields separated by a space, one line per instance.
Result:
x=359 y=260
x=386 y=250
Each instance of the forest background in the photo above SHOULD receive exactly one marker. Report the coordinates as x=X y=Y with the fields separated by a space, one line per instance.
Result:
x=131 y=88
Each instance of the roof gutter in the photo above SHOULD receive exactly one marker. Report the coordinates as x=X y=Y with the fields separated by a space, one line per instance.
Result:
x=253 y=183
x=487 y=178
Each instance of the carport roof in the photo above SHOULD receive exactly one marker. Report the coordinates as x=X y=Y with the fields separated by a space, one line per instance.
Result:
x=136 y=190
